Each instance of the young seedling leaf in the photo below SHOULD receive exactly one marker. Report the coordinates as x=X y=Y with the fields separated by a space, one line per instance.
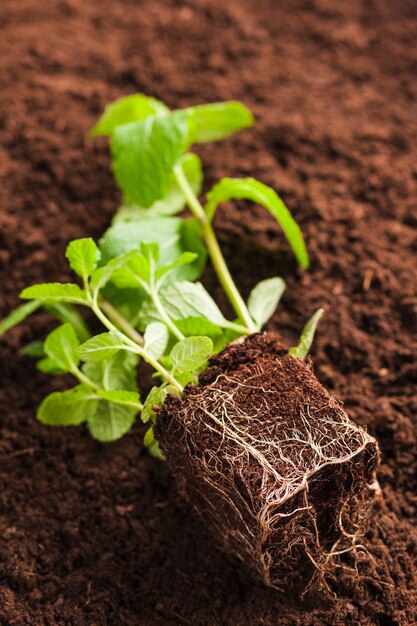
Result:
x=55 y=292
x=68 y=408
x=111 y=421
x=83 y=256
x=250 y=189
x=114 y=373
x=264 y=299
x=101 y=346
x=190 y=354
x=197 y=326
x=212 y=122
x=49 y=366
x=34 y=348
x=156 y=339
x=67 y=313
x=131 y=108
x=184 y=259
x=134 y=273
x=128 y=398
x=302 y=349
x=18 y=315
x=174 y=200
x=61 y=346
x=144 y=155
x=152 y=445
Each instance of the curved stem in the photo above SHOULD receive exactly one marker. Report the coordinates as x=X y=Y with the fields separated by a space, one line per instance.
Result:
x=121 y=322
x=215 y=252
x=168 y=321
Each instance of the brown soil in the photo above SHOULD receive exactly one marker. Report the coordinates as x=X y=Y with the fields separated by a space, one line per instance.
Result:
x=272 y=464
x=97 y=535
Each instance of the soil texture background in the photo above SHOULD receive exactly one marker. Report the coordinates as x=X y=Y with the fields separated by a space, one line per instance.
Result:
x=97 y=535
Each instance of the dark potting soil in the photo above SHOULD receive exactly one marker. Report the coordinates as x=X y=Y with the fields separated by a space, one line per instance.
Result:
x=98 y=535
x=272 y=464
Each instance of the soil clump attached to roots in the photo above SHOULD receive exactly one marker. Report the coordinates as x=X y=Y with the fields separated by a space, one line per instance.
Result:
x=271 y=461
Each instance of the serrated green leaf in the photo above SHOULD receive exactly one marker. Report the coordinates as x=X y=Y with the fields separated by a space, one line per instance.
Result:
x=18 y=315
x=68 y=408
x=101 y=346
x=117 y=372
x=55 y=292
x=212 y=122
x=152 y=445
x=264 y=299
x=156 y=339
x=120 y=397
x=250 y=189
x=145 y=153
x=184 y=259
x=301 y=350
x=174 y=200
x=111 y=421
x=67 y=313
x=197 y=326
x=83 y=256
x=49 y=366
x=131 y=108
x=190 y=354
x=134 y=273
x=61 y=346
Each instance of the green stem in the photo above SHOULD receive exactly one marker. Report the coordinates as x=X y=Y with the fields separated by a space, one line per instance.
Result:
x=121 y=322
x=159 y=307
x=137 y=347
x=216 y=255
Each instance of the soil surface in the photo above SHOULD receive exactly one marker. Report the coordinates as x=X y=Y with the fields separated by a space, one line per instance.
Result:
x=97 y=535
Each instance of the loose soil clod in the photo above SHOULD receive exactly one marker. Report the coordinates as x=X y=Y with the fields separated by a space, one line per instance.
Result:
x=271 y=461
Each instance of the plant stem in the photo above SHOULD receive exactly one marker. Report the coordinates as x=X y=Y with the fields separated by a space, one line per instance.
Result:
x=131 y=342
x=215 y=252
x=159 y=307
x=118 y=319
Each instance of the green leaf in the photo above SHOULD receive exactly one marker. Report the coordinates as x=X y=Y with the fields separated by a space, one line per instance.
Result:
x=116 y=372
x=83 y=256
x=131 y=108
x=174 y=200
x=184 y=259
x=197 y=326
x=152 y=445
x=190 y=354
x=173 y=235
x=156 y=339
x=111 y=421
x=156 y=397
x=33 y=348
x=211 y=122
x=264 y=299
x=120 y=397
x=68 y=313
x=61 y=346
x=49 y=366
x=101 y=346
x=55 y=292
x=250 y=189
x=18 y=315
x=145 y=153
x=301 y=350
x=134 y=273
x=68 y=408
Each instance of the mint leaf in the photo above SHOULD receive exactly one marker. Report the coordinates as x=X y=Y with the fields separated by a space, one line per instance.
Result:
x=173 y=201
x=264 y=299
x=55 y=292
x=18 y=315
x=152 y=445
x=251 y=189
x=197 y=326
x=34 y=348
x=134 y=273
x=211 y=122
x=68 y=408
x=61 y=346
x=301 y=350
x=131 y=108
x=119 y=397
x=145 y=153
x=83 y=256
x=111 y=421
x=184 y=259
x=116 y=372
x=101 y=346
x=156 y=339
x=49 y=366
x=190 y=354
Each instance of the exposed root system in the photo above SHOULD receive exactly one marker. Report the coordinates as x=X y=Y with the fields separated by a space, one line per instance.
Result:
x=271 y=461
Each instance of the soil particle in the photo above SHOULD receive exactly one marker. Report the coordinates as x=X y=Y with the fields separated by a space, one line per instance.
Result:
x=333 y=86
